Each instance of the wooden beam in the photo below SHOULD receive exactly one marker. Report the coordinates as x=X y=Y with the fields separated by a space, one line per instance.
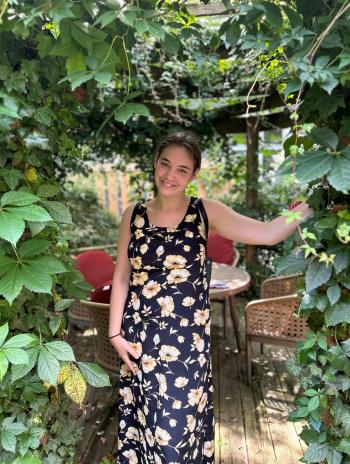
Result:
x=212 y=9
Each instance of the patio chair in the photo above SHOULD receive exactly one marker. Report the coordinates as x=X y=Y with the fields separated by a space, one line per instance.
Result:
x=97 y=267
x=222 y=250
x=271 y=319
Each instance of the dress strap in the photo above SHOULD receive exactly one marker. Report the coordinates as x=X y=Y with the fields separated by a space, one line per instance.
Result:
x=135 y=211
x=204 y=216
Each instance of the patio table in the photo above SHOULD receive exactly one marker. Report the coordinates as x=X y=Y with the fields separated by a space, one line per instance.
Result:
x=238 y=281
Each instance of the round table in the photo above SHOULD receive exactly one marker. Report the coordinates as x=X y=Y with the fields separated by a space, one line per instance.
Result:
x=238 y=280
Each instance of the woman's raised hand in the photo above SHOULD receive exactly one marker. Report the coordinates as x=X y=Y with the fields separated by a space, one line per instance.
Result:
x=123 y=349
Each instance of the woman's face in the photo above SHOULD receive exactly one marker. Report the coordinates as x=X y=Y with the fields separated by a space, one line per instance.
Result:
x=174 y=170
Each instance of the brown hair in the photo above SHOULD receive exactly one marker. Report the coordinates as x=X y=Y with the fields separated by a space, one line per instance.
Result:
x=185 y=139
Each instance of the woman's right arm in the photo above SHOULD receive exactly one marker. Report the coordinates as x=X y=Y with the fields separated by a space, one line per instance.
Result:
x=120 y=288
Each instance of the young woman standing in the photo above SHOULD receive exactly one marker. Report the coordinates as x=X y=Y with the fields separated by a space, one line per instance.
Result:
x=160 y=317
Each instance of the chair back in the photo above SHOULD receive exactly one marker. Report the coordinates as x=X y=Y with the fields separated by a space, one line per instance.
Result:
x=279 y=286
x=221 y=249
x=105 y=354
x=97 y=266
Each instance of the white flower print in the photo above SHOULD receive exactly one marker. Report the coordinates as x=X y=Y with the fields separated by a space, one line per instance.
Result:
x=139 y=278
x=180 y=382
x=181 y=339
x=188 y=301
x=175 y=262
x=136 y=262
x=209 y=448
x=172 y=422
x=139 y=234
x=162 y=436
x=131 y=455
x=148 y=363
x=201 y=359
x=198 y=341
x=201 y=316
x=177 y=276
x=190 y=217
x=149 y=437
x=191 y=422
x=203 y=402
x=195 y=395
x=167 y=305
x=184 y=322
x=186 y=248
x=132 y=433
x=162 y=384
x=177 y=404
x=160 y=250
x=189 y=234
x=135 y=301
x=169 y=353
x=151 y=289
x=139 y=221
x=141 y=417
x=127 y=395
x=136 y=318
x=143 y=248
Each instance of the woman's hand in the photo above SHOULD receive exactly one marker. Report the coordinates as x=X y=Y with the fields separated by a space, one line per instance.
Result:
x=303 y=208
x=123 y=349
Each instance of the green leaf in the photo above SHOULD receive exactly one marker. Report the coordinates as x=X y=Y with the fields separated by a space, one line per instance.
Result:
x=11 y=227
x=333 y=293
x=316 y=275
x=63 y=304
x=28 y=460
x=124 y=113
x=171 y=43
x=75 y=62
x=8 y=440
x=55 y=324
x=338 y=313
x=18 y=198
x=20 y=370
x=35 y=280
x=292 y=264
x=44 y=116
x=32 y=247
x=48 y=190
x=12 y=177
x=4 y=364
x=94 y=374
x=4 y=330
x=339 y=177
x=14 y=427
x=312 y=165
x=36 y=139
x=48 y=367
x=61 y=350
x=106 y=18
x=19 y=341
x=313 y=403
x=31 y=213
x=233 y=33
x=61 y=12
x=58 y=211
x=11 y=284
x=15 y=355
x=47 y=264
x=273 y=14
x=324 y=137
x=316 y=453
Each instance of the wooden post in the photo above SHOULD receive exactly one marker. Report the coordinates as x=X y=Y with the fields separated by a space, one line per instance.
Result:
x=252 y=177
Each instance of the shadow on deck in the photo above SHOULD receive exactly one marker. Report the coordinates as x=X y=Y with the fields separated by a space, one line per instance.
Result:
x=251 y=421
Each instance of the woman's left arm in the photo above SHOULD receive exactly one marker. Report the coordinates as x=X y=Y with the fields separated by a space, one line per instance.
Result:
x=234 y=226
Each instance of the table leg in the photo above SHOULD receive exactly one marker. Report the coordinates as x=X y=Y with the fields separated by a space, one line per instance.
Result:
x=235 y=320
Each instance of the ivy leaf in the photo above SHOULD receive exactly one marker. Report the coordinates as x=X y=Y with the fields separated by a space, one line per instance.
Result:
x=36 y=139
x=19 y=341
x=75 y=387
x=8 y=440
x=4 y=330
x=316 y=275
x=11 y=227
x=11 y=284
x=35 y=280
x=94 y=374
x=312 y=165
x=58 y=211
x=316 y=452
x=20 y=370
x=48 y=367
x=29 y=459
x=324 y=137
x=47 y=265
x=338 y=313
x=11 y=176
x=124 y=113
x=313 y=403
x=30 y=213
x=15 y=355
x=75 y=62
x=106 y=18
x=333 y=293
x=339 y=177
x=47 y=190
x=233 y=33
x=273 y=14
x=4 y=364
x=292 y=264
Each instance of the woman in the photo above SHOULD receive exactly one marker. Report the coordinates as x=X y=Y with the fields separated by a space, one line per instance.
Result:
x=160 y=318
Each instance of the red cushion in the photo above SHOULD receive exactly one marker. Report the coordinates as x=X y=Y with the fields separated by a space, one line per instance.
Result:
x=220 y=249
x=102 y=294
x=97 y=266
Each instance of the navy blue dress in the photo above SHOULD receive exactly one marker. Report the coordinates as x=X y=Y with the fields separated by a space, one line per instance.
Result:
x=166 y=410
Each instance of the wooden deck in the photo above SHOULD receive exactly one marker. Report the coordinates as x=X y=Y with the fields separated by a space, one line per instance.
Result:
x=251 y=425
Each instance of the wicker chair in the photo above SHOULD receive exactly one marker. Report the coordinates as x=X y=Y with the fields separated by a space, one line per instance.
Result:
x=270 y=319
x=105 y=354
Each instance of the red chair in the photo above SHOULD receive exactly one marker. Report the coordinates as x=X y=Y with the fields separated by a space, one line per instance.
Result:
x=222 y=250
x=97 y=266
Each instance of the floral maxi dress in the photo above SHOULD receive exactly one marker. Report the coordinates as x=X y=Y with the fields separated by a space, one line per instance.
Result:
x=165 y=410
